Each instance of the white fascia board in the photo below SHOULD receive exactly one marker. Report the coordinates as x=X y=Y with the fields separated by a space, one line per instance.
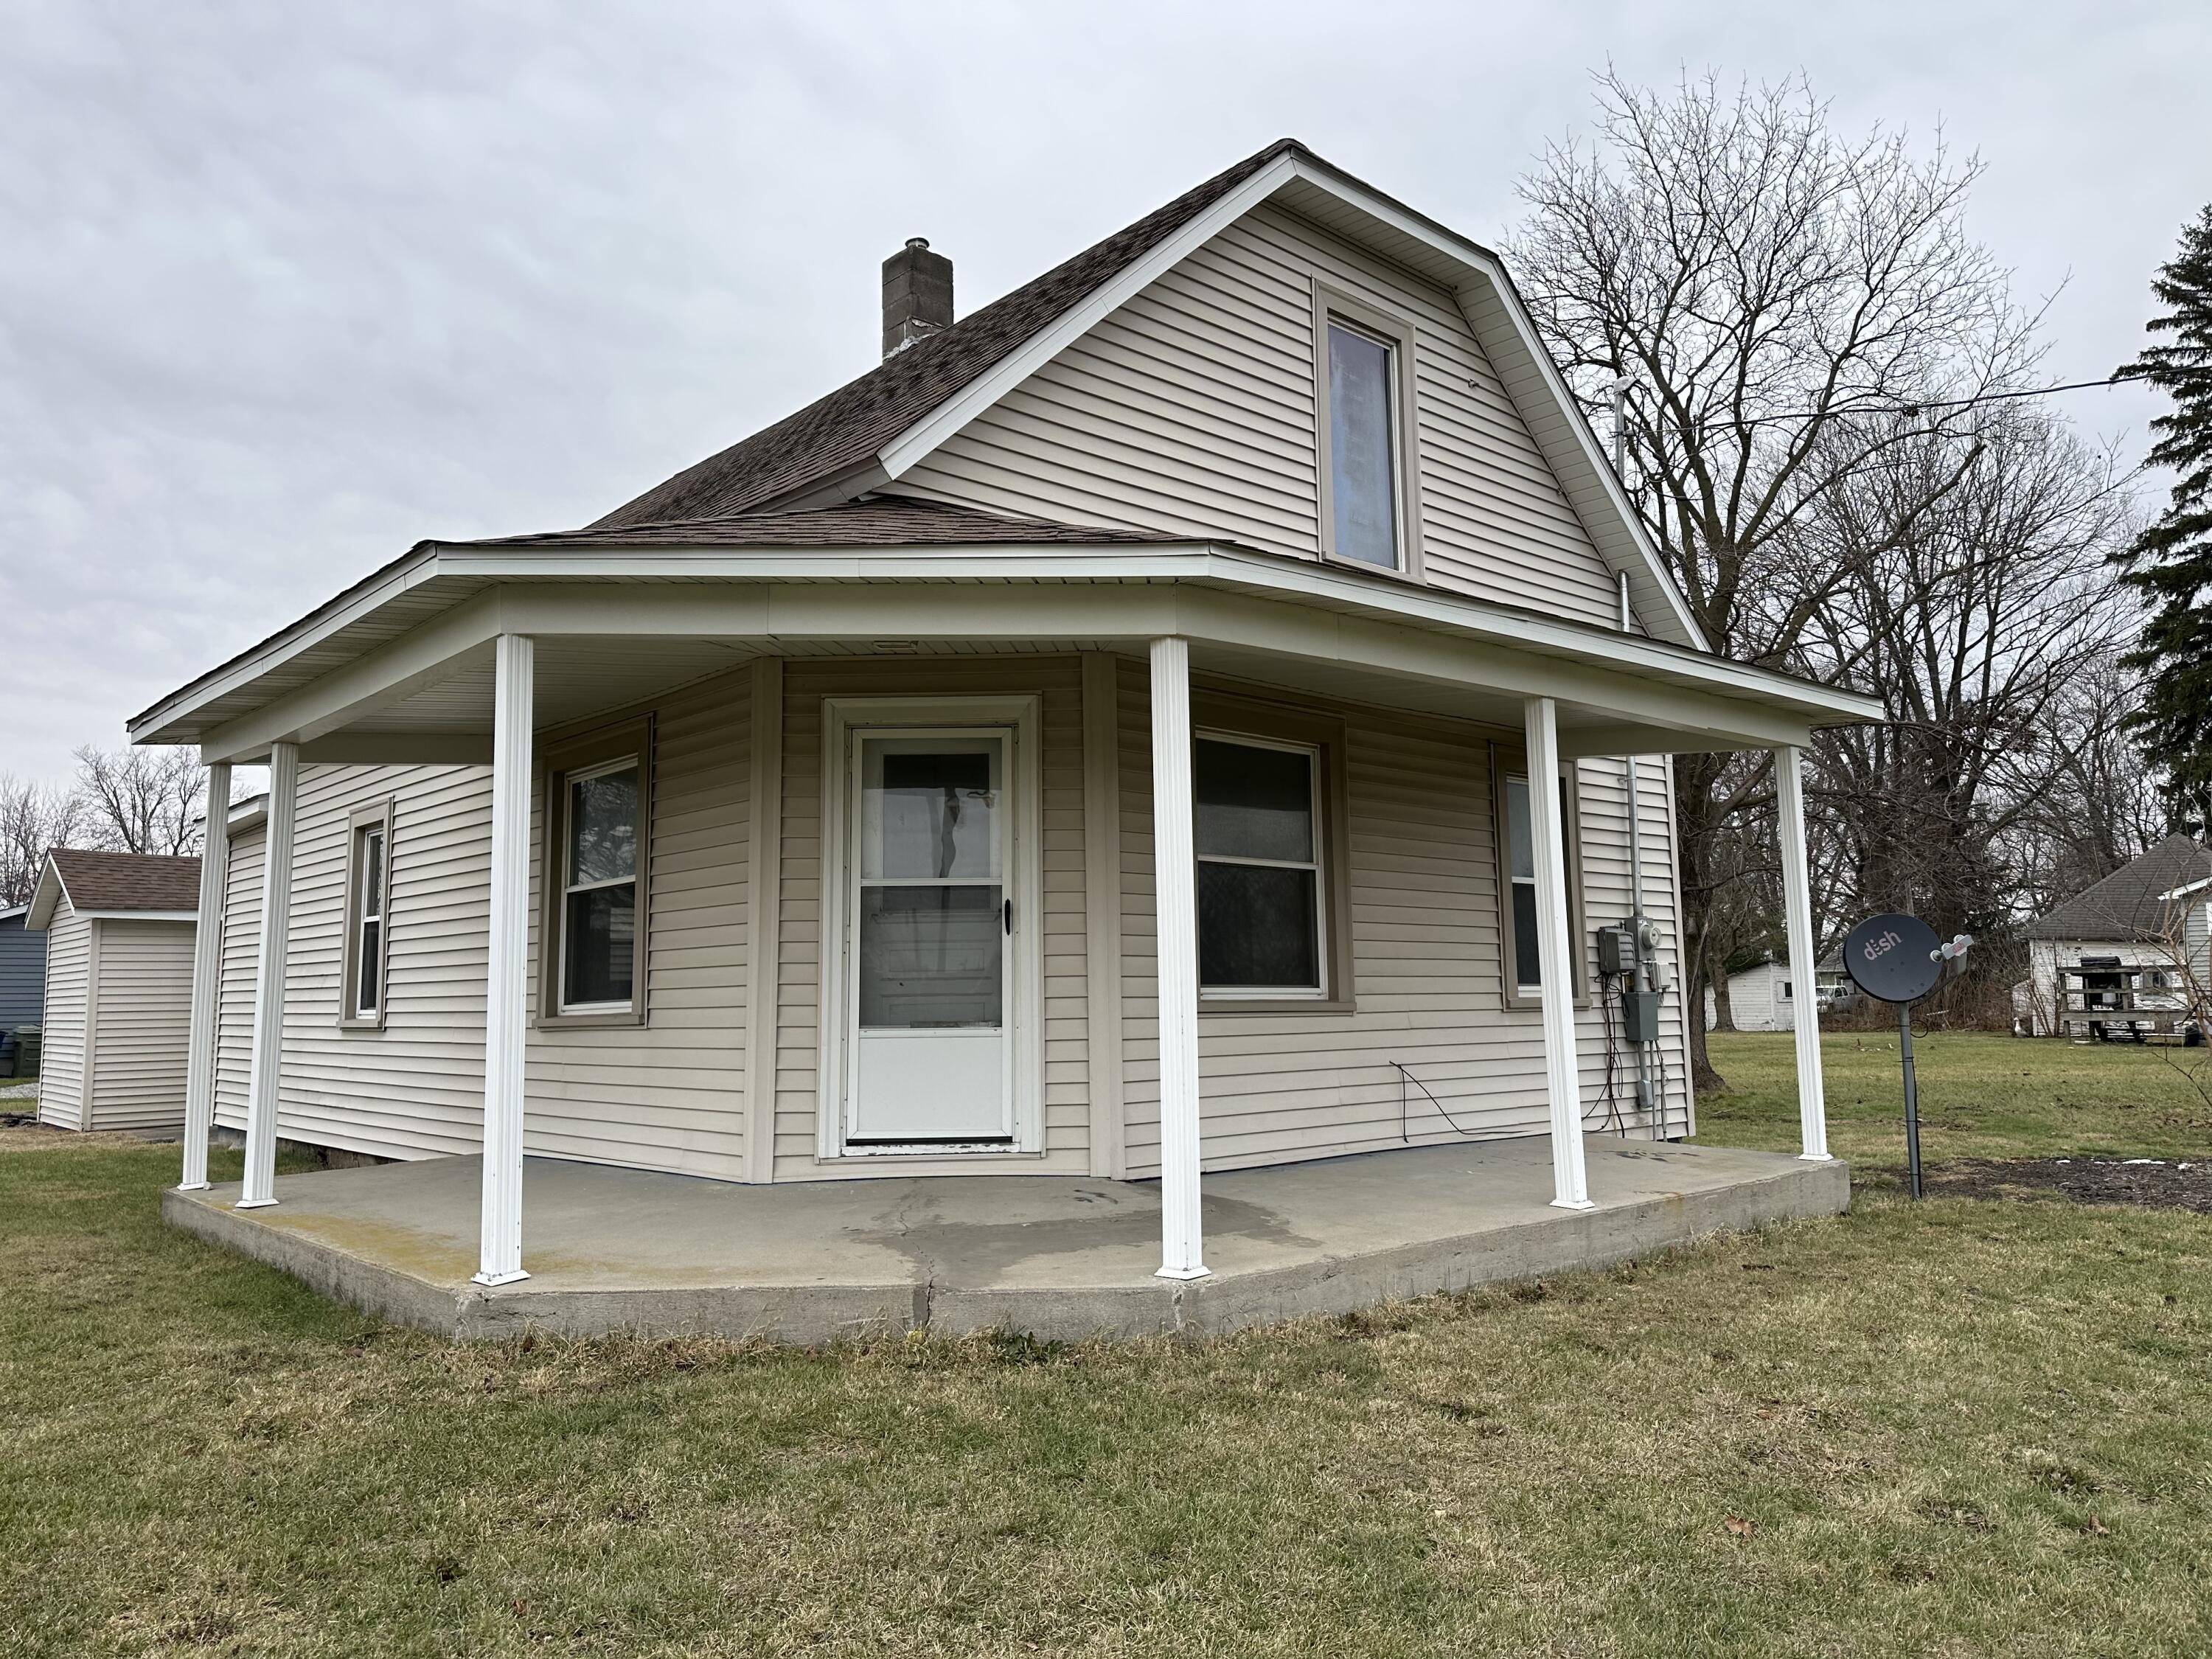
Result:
x=527 y=598
x=39 y=915
x=903 y=452
x=362 y=600
x=140 y=915
x=2186 y=889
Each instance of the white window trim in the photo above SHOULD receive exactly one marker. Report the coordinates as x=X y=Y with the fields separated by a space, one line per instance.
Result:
x=1333 y=304
x=569 y=780
x=1318 y=865
x=1512 y=766
x=841 y=718
x=360 y=823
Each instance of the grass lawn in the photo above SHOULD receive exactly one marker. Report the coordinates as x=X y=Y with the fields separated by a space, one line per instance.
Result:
x=1981 y=1096
x=1963 y=1427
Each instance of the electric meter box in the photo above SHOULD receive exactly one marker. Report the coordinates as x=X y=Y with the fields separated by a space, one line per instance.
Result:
x=1639 y=1016
x=1616 y=951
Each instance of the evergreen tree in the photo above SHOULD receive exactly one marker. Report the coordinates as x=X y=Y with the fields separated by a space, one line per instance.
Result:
x=2171 y=563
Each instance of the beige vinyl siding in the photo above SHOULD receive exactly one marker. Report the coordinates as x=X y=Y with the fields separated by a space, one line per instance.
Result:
x=241 y=943
x=143 y=1024
x=669 y=1094
x=69 y=990
x=1602 y=800
x=1191 y=410
x=1056 y=680
x=1426 y=963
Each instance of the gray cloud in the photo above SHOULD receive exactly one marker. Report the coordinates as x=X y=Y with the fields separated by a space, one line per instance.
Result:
x=287 y=289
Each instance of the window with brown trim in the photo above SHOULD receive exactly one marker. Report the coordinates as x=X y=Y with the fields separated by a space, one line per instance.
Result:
x=1365 y=434
x=1521 y=974
x=1273 y=910
x=598 y=811
x=367 y=916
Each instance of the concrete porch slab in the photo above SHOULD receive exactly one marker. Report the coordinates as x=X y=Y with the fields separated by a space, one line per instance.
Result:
x=614 y=1249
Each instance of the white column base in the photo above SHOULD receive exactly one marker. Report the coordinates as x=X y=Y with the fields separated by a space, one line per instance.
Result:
x=253 y=1204
x=1200 y=1272
x=516 y=1277
x=195 y=1186
x=1816 y=1158
x=1574 y=1204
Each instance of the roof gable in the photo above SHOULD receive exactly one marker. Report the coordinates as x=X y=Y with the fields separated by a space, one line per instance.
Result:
x=107 y=884
x=2137 y=902
x=882 y=425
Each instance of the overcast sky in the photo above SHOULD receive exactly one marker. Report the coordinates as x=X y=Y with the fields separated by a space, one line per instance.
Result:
x=284 y=289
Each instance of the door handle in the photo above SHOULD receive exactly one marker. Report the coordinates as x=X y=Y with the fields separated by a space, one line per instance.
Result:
x=1010 y=918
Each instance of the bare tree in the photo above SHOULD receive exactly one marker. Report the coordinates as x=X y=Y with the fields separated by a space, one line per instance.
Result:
x=142 y=800
x=1977 y=594
x=1777 y=292
x=35 y=815
x=2095 y=803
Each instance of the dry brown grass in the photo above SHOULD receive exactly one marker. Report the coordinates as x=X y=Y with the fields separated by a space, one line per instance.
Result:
x=1962 y=1428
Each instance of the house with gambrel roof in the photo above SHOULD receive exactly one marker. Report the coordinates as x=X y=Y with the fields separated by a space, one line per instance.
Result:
x=1187 y=735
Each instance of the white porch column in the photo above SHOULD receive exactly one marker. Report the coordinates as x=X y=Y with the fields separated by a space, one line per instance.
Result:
x=1175 y=881
x=1555 y=953
x=207 y=981
x=266 y=1065
x=507 y=981
x=1804 y=982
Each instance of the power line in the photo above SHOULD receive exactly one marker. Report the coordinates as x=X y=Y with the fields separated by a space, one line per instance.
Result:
x=1904 y=407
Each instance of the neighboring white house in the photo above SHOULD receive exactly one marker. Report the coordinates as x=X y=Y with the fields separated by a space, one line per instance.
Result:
x=118 y=987
x=2115 y=958
x=1761 y=997
x=1129 y=732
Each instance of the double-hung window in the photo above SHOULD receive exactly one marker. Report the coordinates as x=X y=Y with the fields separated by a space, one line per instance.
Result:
x=1363 y=368
x=1263 y=910
x=598 y=892
x=598 y=803
x=1524 y=973
x=368 y=883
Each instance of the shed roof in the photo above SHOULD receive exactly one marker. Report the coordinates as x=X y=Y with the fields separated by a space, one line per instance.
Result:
x=2135 y=902
x=115 y=883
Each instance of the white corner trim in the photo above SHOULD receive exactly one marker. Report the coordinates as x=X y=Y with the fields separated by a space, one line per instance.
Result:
x=903 y=452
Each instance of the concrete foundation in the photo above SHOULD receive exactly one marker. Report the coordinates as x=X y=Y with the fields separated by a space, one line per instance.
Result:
x=613 y=1249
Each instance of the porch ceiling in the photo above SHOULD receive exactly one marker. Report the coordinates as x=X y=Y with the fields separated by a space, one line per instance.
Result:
x=404 y=672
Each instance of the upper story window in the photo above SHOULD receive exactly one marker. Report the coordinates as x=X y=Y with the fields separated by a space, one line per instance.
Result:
x=1362 y=494
x=1363 y=368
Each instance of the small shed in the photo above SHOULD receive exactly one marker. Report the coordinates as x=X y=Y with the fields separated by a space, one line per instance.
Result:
x=1761 y=997
x=119 y=928
x=22 y=981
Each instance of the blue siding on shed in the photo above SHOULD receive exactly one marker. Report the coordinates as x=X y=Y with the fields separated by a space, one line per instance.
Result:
x=22 y=974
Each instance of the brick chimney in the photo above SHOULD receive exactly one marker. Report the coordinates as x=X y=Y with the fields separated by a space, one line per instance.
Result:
x=917 y=294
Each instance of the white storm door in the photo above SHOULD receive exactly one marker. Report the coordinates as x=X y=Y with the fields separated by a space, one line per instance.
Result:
x=929 y=944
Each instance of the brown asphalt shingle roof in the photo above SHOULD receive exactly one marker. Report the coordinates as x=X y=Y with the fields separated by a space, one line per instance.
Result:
x=127 y=881
x=2126 y=904
x=874 y=521
x=844 y=432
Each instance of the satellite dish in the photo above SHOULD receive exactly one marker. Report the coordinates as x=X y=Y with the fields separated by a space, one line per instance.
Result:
x=1893 y=958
